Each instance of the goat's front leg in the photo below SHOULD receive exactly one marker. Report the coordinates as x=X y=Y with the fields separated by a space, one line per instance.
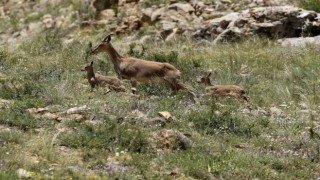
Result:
x=133 y=85
x=92 y=87
x=174 y=89
x=118 y=72
x=172 y=84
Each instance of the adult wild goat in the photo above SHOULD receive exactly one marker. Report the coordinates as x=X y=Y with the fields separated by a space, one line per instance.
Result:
x=96 y=79
x=222 y=90
x=139 y=70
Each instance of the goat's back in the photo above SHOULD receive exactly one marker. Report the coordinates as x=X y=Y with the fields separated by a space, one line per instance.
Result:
x=111 y=80
x=225 y=89
x=145 y=70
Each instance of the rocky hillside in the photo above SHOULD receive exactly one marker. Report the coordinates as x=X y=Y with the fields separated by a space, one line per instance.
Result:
x=162 y=19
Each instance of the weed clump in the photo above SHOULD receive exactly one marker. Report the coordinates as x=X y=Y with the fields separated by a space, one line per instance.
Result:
x=108 y=135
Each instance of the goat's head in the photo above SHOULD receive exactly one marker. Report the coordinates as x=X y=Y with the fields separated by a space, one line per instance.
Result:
x=103 y=44
x=88 y=67
x=204 y=78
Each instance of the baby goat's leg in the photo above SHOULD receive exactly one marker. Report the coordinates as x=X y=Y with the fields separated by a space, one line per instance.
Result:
x=240 y=97
x=133 y=85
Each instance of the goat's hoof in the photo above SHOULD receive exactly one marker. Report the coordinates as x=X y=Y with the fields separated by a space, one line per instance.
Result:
x=173 y=94
x=133 y=90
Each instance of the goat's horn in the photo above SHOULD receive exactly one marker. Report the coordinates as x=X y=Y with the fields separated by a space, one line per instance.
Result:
x=108 y=37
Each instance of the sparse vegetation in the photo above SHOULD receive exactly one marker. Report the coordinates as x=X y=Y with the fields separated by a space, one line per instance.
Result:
x=228 y=141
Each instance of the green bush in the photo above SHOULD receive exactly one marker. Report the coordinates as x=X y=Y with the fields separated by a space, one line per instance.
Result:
x=8 y=175
x=310 y=5
x=20 y=88
x=3 y=58
x=17 y=116
x=220 y=121
x=44 y=44
x=171 y=57
x=108 y=135
x=136 y=53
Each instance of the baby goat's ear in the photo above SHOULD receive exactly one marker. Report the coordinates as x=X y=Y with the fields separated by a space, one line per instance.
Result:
x=91 y=63
x=209 y=74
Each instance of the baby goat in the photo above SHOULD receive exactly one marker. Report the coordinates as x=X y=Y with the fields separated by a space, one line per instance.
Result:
x=222 y=90
x=96 y=79
x=139 y=70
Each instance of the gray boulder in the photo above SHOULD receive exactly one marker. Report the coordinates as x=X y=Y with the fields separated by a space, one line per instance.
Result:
x=271 y=22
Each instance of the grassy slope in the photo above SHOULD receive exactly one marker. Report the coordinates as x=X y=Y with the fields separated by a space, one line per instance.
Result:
x=227 y=142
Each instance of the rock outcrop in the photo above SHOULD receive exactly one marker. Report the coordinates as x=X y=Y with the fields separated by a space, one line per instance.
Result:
x=217 y=20
x=272 y=22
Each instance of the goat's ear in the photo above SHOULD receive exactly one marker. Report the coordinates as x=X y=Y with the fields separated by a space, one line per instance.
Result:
x=91 y=63
x=209 y=74
x=108 y=37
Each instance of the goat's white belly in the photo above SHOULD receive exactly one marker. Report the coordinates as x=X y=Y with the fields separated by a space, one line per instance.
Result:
x=150 y=80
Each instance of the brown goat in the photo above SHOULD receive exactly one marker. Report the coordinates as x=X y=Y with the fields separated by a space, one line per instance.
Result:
x=96 y=79
x=222 y=90
x=139 y=70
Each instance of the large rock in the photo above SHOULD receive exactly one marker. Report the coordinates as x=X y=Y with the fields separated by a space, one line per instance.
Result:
x=107 y=14
x=272 y=22
x=185 y=8
x=146 y=15
x=157 y=14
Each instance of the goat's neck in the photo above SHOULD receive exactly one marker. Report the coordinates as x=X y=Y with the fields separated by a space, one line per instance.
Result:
x=116 y=59
x=114 y=55
x=208 y=82
x=90 y=74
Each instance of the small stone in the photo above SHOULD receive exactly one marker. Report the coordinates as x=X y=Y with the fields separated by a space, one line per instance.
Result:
x=165 y=114
x=184 y=141
x=275 y=111
x=22 y=173
x=76 y=110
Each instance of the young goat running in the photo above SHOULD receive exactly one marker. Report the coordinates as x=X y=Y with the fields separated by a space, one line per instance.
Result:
x=222 y=90
x=96 y=79
x=139 y=70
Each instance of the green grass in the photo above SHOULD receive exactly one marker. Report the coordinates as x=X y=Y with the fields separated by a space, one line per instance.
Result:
x=309 y=4
x=228 y=141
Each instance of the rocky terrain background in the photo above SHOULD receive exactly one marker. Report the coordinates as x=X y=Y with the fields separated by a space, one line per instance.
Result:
x=163 y=20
